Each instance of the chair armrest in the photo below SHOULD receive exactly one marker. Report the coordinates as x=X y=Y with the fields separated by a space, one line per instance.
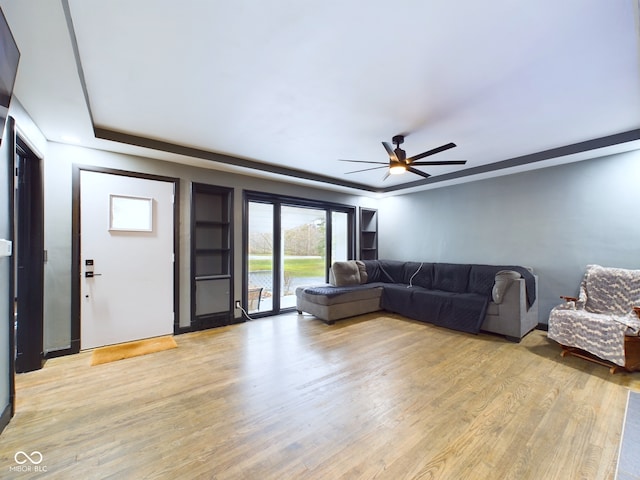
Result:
x=637 y=310
x=569 y=299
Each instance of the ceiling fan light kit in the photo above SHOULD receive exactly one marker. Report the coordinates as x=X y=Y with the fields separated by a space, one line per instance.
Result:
x=399 y=163
x=397 y=168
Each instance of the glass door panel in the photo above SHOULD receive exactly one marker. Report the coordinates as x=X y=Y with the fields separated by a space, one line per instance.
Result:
x=303 y=233
x=339 y=237
x=260 y=258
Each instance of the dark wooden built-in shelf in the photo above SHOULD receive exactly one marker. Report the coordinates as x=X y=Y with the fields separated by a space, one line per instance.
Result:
x=368 y=234
x=211 y=256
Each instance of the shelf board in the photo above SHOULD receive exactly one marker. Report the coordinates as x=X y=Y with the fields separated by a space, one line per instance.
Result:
x=211 y=223
x=212 y=277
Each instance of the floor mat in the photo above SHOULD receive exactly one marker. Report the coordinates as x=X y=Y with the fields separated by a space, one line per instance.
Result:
x=121 y=351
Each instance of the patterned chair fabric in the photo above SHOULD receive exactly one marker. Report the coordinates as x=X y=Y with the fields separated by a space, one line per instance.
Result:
x=603 y=314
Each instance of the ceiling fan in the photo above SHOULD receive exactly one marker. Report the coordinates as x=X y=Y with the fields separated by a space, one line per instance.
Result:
x=399 y=163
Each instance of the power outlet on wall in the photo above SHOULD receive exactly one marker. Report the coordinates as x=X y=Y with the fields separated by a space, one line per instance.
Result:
x=238 y=306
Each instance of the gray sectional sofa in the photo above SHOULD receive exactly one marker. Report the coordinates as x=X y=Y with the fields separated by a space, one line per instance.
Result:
x=465 y=297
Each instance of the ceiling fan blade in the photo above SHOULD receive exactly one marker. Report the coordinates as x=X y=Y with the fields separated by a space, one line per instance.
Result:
x=418 y=172
x=365 y=170
x=392 y=154
x=363 y=161
x=447 y=162
x=431 y=152
x=386 y=175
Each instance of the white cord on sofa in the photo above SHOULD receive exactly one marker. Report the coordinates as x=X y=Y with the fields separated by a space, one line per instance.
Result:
x=416 y=272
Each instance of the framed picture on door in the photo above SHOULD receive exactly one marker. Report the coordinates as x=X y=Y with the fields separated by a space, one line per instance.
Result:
x=130 y=214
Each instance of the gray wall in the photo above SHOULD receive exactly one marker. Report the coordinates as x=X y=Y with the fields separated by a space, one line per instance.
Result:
x=58 y=169
x=556 y=220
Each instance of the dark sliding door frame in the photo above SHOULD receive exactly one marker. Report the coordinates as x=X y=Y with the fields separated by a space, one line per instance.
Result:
x=278 y=201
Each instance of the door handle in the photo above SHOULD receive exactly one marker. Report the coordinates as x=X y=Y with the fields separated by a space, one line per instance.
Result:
x=91 y=274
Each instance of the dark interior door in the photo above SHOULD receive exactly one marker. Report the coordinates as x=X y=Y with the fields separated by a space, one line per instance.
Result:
x=29 y=218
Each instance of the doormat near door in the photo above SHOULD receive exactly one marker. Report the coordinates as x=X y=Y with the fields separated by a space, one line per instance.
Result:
x=121 y=351
x=629 y=453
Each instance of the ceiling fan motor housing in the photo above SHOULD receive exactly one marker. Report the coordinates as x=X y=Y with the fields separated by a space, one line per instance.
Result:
x=398 y=140
x=401 y=154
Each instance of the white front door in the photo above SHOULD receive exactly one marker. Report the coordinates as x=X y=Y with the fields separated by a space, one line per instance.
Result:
x=126 y=243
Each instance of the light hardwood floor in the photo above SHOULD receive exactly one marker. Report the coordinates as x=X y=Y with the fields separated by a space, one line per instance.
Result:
x=289 y=397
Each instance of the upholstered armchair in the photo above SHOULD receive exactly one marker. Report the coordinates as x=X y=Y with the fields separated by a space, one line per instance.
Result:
x=602 y=324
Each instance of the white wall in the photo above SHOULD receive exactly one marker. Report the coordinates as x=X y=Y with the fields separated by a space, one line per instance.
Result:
x=58 y=170
x=556 y=220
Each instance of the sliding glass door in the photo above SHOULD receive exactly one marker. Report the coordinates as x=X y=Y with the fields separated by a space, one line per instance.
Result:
x=290 y=242
x=340 y=237
x=304 y=246
x=260 y=257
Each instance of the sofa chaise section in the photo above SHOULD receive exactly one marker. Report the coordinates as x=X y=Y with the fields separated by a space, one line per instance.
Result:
x=331 y=303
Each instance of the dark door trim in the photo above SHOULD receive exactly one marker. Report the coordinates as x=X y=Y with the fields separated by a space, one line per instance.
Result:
x=75 y=247
x=29 y=258
x=11 y=155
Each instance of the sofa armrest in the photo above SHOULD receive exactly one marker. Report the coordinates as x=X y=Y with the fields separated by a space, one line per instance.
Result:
x=503 y=280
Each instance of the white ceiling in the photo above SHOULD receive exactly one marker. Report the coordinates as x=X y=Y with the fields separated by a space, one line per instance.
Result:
x=289 y=87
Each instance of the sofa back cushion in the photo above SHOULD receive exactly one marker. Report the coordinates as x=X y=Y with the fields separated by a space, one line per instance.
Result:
x=611 y=290
x=419 y=274
x=346 y=273
x=373 y=270
x=482 y=278
x=364 y=277
x=391 y=271
x=451 y=277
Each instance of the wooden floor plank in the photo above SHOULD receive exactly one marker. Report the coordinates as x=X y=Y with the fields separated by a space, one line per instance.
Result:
x=377 y=396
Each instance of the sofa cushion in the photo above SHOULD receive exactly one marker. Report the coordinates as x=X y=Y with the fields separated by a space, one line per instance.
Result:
x=482 y=278
x=392 y=271
x=344 y=273
x=373 y=270
x=418 y=273
x=459 y=311
x=451 y=277
x=363 y=271
x=331 y=295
